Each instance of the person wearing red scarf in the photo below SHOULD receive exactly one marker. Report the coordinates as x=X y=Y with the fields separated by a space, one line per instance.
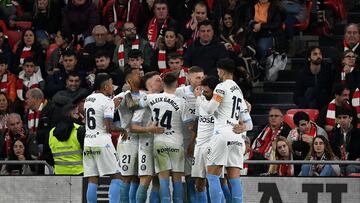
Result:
x=199 y=14
x=281 y=150
x=349 y=72
x=352 y=38
x=176 y=62
x=159 y=22
x=7 y=80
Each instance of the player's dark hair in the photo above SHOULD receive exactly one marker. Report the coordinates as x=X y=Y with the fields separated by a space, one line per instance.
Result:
x=227 y=65
x=170 y=79
x=100 y=80
x=210 y=81
x=149 y=75
x=299 y=116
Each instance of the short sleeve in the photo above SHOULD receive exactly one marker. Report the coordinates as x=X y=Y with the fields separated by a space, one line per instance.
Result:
x=109 y=109
x=144 y=101
x=185 y=114
x=219 y=93
x=197 y=107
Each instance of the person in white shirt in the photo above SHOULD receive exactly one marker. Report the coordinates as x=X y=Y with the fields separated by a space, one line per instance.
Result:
x=226 y=147
x=169 y=112
x=100 y=156
x=195 y=76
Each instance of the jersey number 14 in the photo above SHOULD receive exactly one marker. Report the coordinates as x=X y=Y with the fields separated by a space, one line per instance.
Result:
x=165 y=120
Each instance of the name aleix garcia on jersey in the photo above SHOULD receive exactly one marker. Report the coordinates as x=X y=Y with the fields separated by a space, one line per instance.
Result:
x=167 y=100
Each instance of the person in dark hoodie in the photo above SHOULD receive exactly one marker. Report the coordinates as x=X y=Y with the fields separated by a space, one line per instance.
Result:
x=79 y=18
x=206 y=51
x=65 y=144
x=105 y=65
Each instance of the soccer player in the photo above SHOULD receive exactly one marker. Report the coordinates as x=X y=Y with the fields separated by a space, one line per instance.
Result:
x=100 y=156
x=142 y=124
x=128 y=149
x=226 y=147
x=196 y=74
x=169 y=112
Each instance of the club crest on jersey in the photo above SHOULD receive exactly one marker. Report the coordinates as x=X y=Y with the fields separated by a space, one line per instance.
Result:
x=125 y=167
x=143 y=167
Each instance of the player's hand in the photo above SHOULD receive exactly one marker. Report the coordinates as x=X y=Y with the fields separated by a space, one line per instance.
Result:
x=117 y=101
x=155 y=129
x=123 y=134
x=197 y=91
x=257 y=27
x=239 y=128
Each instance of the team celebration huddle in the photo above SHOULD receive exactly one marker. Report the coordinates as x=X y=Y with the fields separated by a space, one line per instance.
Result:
x=168 y=133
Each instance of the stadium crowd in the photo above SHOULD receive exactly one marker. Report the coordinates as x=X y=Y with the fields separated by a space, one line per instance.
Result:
x=63 y=46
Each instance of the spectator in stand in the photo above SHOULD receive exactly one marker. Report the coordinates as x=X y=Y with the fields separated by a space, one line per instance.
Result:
x=117 y=12
x=79 y=18
x=5 y=110
x=5 y=49
x=16 y=130
x=238 y=8
x=327 y=117
x=29 y=78
x=171 y=42
x=250 y=154
x=73 y=89
x=28 y=47
x=313 y=86
x=349 y=73
x=40 y=116
x=302 y=136
x=320 y=151
x=199 y=14
x=7 y=80
x=296 y=12
x=137 y=62
x=64 y=43
x=157 y=25
x=352 y=38
x=100 y=35
x=57 y=81
x=231 y=34
x=355 y=101
x=46 y=19
x=265 y=19
x=346 y=140
x=19 y=151
x=275 y=128
x=65 y=144
x=206 y=50
x=131 y=41
x=176 y=65
x=281 y=150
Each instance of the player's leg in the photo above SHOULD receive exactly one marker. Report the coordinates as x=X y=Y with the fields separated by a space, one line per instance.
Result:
x=114 y=189
x=133 y=188
x=213 y=178
x=145 y=168
x=178 y=192
x=190 y=189
x=91 y=193
x=154 y=194
x=164 y=186
x=225 y=188
x=234 y=180
x=141 y=192
x=200 y=184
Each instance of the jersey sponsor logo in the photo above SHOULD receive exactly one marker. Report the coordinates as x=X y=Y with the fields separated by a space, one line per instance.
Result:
x=169 y=132
x=92 y=152
x=204 y=119
x=234 y=143
x=90 y=99
x=167 y=150
x=220 y=91
x=90 y=136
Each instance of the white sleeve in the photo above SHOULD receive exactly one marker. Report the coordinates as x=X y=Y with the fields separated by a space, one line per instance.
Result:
x=198 y=102
x=245 y=115
x=109 y=109
x=185 y=113
x=144 y=101
x=218 y=95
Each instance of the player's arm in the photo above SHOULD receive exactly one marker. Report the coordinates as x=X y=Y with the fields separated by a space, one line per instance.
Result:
x=245 y=117
x=215 y=101
x=110 y=127
x=136 y=122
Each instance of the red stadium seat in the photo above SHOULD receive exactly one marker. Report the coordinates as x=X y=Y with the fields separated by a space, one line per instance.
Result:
x=23 y=24
x=354 y=174
x=303 y=25
x=288 y=118
x=338 y=7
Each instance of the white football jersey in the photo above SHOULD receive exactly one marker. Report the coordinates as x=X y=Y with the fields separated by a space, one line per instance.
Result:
x=97 y=108
x=169 y=112
x=232 y=104
x=205 y=122
x=142 y=117
x=188 y=94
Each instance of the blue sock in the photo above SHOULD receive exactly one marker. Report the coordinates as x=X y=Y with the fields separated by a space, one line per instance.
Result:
x=114 y=191
x=190 y=188
x=178 y=192
x=141 y=193
x=222 y=198
x=91 y=195
x=214 y=188
x=226 y=191
x=124 y=192
x=132 y=192
x=201 y=197
x=236 y=190
x=154 y=196
x=164 y=191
